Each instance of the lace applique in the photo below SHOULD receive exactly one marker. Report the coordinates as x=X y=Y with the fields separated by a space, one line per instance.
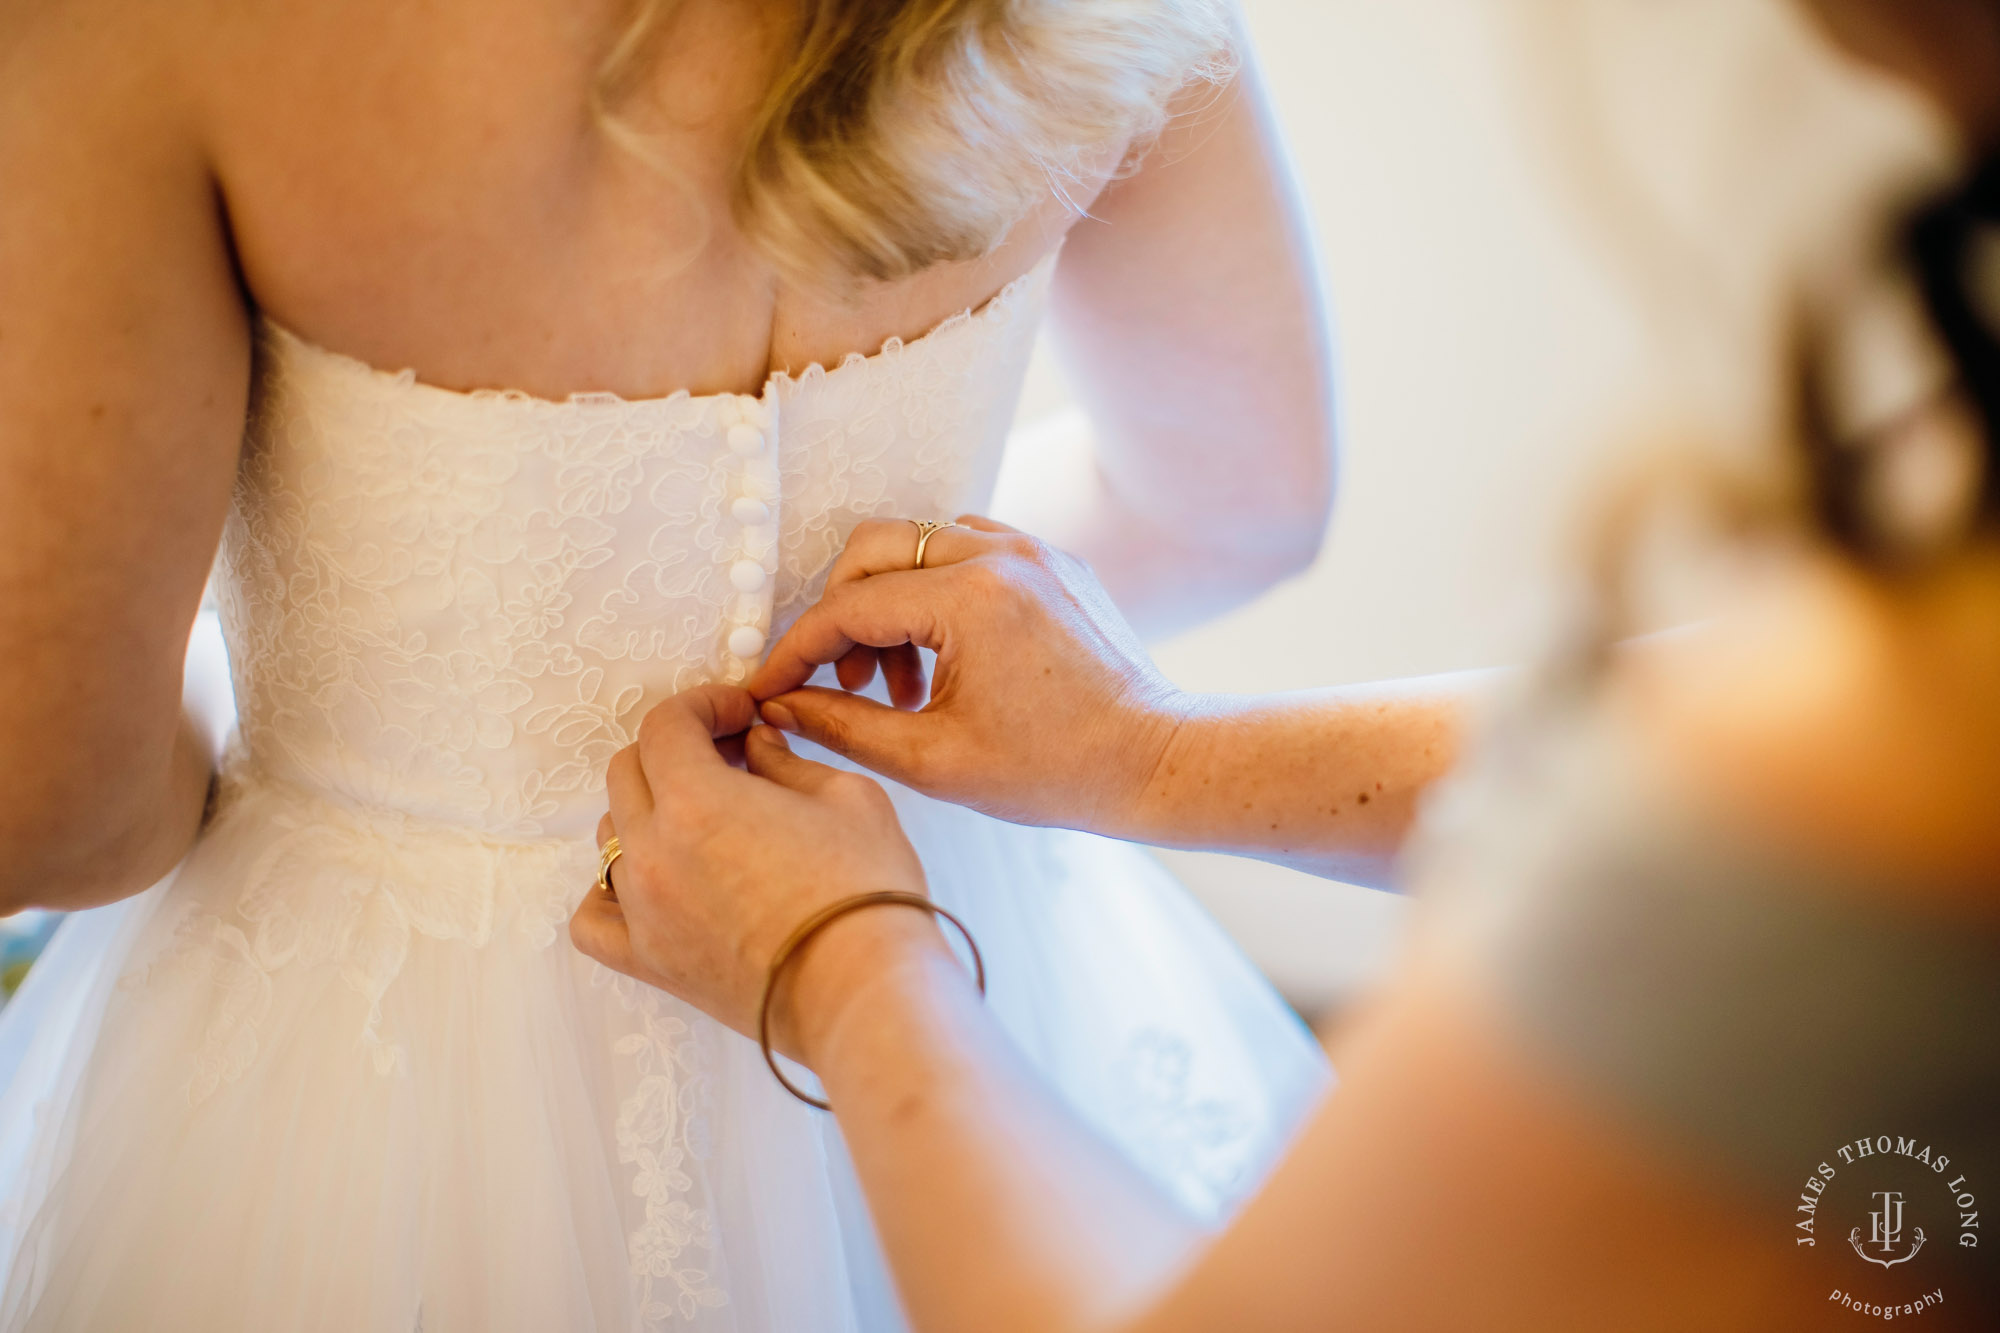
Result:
x=1200 y=1146
x=662 y=1126
x=350 y=889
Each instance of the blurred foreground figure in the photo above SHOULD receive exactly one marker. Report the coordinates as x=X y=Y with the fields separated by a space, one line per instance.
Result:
x=1703 y=1028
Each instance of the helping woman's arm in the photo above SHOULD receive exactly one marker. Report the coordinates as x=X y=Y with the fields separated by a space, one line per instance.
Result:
x=124 y=367
x=1046 y=710
x=1451 y=1184
x=937 y=1103
x=1010 y=1214
x=1397 y=1208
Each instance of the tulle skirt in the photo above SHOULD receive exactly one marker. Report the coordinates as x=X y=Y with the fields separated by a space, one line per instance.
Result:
x=343 y=1071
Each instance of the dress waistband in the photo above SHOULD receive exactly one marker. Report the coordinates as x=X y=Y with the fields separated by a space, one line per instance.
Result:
x=242 y=772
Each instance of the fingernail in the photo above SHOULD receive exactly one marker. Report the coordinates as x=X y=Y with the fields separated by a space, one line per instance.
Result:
x=780 y=716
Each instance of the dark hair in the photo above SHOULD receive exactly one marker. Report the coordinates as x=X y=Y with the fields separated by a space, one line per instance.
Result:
x=1940 y=242
x=1941 y=245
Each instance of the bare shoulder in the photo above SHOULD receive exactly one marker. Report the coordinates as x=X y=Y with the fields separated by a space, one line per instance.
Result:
x=104 y=151
x=120 y=38
x=1849 y=714
x=98 y=73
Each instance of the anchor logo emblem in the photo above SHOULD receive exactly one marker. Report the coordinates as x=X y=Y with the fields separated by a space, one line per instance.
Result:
x=1885 y=1232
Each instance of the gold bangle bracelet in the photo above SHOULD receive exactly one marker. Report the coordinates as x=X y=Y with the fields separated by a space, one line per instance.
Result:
x=812 y=926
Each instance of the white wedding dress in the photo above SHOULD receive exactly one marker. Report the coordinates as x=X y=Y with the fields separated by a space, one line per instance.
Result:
x=343 y=1071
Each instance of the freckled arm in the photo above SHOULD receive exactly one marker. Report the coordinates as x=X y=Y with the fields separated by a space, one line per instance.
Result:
x=1326 y=781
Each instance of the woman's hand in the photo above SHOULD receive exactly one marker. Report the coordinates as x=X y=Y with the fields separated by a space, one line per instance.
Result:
x=1045 y=709
x=720 y=865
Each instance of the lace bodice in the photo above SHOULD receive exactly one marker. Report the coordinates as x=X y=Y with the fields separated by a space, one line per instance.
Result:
x=457 y=606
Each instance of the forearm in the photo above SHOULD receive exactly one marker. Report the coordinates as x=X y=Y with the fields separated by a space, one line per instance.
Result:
x=1327 y=781
x=997 y=1209
x=1165 y=569
x=1189 y=317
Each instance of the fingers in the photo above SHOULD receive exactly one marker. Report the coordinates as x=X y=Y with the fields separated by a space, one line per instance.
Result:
x=877 y=551
x=891 y=742
x=772 y=759
x=629 y=794
x=856 y=668
x=598 y=930
x=680 y=733
x=903 y=673
x=889 y=546
x=981 y=523
x=879 y=612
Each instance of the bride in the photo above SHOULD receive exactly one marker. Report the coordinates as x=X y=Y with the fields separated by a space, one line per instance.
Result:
x=530 y=362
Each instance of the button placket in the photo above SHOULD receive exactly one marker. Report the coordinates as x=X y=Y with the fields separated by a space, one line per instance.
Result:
x=750 y=432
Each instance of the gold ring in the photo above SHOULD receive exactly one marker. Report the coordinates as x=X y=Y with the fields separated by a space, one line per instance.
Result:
x=925 y=531
x=610 y=852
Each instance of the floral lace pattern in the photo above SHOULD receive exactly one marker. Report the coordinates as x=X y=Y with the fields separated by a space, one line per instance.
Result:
x=460 y=604
x=350 y=889
x=445 y=613
x=1203 y=1144
x=661 y=1127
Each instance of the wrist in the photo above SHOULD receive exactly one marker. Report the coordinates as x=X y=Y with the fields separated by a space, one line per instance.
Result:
x=850 y=965
x=1180 y=764
x=1143 y=759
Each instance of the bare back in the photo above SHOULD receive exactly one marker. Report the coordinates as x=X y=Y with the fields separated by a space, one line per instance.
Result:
x=427 y=187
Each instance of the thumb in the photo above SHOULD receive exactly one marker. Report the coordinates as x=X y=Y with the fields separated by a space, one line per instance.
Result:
x=874 y=735
x=770 y=758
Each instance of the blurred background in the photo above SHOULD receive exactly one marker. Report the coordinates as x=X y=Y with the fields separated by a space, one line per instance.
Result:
x=1551 y=233
x=1517 y=318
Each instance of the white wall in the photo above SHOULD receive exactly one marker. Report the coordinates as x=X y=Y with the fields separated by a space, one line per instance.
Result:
x=1513 y=313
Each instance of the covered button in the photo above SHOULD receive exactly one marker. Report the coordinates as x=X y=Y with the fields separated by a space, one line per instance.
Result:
x=746 y=440
x=748 y=509
x=746 y=641
x=748 y=576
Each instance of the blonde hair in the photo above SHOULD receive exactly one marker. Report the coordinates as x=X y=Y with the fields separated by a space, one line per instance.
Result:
x=899 y=134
